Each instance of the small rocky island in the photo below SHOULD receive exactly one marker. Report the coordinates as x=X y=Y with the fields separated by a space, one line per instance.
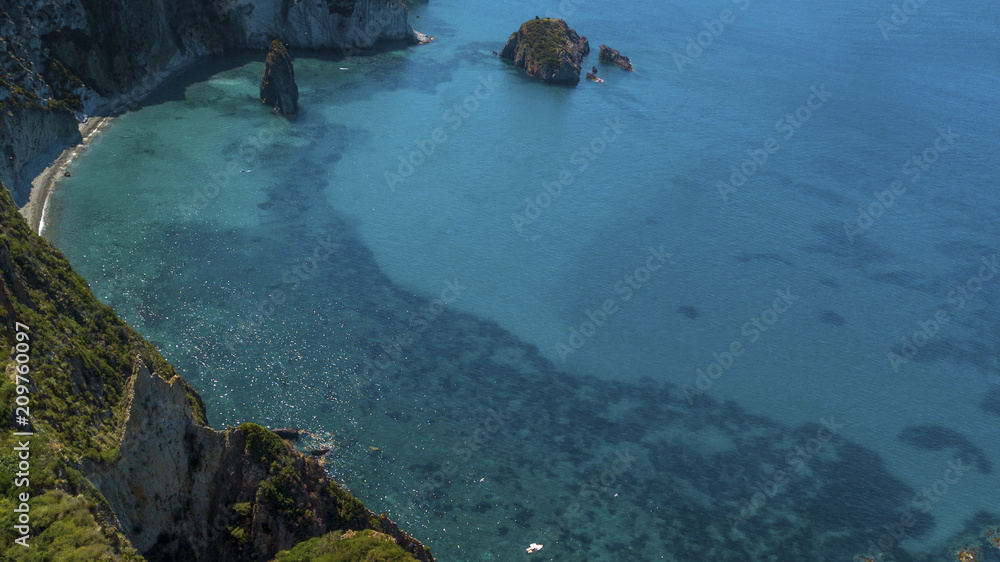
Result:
x=277 y=85
x=547 y=49
x=610 y=55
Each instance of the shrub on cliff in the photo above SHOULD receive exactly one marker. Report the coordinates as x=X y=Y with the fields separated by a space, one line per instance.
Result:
x=368 y=545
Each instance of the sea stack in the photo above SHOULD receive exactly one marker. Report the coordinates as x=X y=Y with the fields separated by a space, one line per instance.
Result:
x=547 y=49
x=277 y=85
x=610 y=55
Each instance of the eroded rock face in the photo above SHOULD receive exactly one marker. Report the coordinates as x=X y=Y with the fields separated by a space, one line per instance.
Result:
x=347 y=25
x=178 y=486
x=26 y=133
x=159 y=486
x=612 y=56
x=547 y=49
x=277 y=85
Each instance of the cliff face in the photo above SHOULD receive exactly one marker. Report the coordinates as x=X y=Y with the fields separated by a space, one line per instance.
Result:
x=548 y=50
x=165 y=455
x=180 y=489
x=341 y=24
x=25 y=134
x=74 y=55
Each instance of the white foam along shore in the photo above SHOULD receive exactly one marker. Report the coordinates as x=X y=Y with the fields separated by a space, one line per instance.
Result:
x=42 y=187
x=34 y=211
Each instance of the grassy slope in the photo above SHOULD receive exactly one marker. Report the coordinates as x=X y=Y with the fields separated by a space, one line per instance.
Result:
x=81 y=354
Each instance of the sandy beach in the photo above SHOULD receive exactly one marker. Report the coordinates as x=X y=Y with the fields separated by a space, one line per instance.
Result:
x=34 y=211
x=41 y=187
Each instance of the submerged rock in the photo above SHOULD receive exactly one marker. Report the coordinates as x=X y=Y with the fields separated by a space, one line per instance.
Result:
x=287 y=433
x=277 y=85
x=610 y=55
x=547 y=49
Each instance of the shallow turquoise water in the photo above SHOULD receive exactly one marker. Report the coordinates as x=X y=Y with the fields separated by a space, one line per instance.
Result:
x=293 y=282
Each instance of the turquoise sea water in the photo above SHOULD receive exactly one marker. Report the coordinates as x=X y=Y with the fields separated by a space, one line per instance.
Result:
x=653 y=357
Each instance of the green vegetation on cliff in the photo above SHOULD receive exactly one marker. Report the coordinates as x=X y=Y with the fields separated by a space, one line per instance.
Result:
x=67 y=515
x=288 y=490
x=365 y=546
x=80 y=357
x=81 y=353
x=547 y=49
x=544 y=39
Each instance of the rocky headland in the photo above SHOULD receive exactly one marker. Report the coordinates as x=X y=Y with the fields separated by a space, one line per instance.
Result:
x=124 y=465
x=548 y=49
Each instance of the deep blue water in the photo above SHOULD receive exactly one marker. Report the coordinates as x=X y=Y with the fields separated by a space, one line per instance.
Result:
x=790 y=231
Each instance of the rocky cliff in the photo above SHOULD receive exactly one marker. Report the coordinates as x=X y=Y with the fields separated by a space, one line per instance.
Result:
x=180 y=489
x=548 y=50
x=341 y=24
x=66 y=56
x=122 y=448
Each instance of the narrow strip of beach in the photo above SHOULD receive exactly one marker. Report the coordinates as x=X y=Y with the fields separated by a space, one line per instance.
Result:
x=34 y=211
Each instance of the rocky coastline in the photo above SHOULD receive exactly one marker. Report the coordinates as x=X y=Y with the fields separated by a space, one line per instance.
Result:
x=132 y=454
x=68 y=61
